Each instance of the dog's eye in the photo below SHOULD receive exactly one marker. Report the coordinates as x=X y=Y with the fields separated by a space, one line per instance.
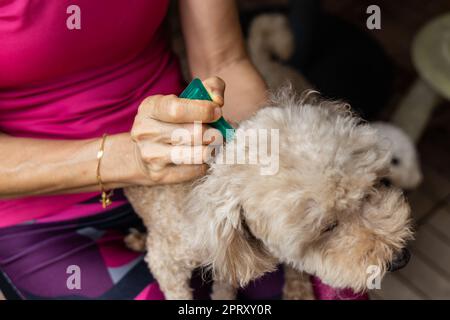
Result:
x=385 y=182
x=395 y=161
x=330 y=227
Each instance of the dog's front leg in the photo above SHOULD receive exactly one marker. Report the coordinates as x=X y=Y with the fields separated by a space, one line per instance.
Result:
x=223 y=291
x=172 y=273
x=136 y=240
x=297 y=285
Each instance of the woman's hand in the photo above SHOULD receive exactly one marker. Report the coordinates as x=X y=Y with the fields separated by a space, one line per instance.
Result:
x=166 y=154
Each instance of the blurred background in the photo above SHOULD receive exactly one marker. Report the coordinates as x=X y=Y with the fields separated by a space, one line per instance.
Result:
x=399 y=75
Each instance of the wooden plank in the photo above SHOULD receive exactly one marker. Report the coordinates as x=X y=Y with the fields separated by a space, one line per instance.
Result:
x=392 y=288
x=440 y=221
x=435 y=185
x=373 y=295
x=421 y=204
x=423 y=277
x=433 y=248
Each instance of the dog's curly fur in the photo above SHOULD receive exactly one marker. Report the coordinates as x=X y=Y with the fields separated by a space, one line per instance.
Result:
x=324 y=212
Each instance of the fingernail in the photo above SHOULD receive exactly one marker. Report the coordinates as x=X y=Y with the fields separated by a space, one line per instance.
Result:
x=217 y=113
x=215 y=93
x=217 y=97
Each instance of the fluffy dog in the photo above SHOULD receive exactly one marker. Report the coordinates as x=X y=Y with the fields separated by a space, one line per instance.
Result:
x=271 y=44
x=404 y=171
x=324 y=212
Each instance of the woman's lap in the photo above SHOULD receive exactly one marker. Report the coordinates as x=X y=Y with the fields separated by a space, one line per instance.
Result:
x=86 y=258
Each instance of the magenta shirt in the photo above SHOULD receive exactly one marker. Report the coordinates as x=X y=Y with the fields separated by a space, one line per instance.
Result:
x=57 y=83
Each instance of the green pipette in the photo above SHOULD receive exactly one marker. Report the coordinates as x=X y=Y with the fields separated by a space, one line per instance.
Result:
x=196 y=91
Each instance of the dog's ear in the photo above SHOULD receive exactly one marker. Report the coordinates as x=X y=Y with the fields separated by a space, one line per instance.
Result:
x=228 y=248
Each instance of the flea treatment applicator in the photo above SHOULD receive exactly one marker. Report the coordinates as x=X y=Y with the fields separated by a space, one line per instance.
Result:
x=196 y=91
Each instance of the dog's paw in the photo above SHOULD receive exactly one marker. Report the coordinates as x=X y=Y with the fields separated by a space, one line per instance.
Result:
x=299 y=295
x=297 y=285
x=222 y=291
x=298 y=289
x=135 y=240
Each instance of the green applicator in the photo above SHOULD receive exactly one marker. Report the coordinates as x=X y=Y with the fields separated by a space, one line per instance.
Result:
x=196 y=91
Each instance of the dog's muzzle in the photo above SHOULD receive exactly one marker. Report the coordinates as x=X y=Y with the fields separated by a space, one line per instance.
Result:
x=400 y=260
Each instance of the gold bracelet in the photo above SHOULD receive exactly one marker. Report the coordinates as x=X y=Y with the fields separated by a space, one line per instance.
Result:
x=106 y=195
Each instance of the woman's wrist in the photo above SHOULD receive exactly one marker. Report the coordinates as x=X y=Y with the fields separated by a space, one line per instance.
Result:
x=38 y=166
x=119 y=165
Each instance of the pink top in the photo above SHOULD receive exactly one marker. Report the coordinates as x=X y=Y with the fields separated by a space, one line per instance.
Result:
x=58 y=83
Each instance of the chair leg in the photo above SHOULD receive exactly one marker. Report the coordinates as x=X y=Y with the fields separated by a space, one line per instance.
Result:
x=415 y=109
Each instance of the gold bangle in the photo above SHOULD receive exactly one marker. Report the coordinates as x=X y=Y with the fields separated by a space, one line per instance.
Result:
x=106 y=195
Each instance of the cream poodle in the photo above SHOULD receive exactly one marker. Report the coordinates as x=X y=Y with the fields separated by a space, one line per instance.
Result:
x=324 y=212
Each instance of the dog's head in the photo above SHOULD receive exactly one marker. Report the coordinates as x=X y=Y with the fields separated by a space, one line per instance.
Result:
x=404 y=171
x=271 y=33
x=324 y=211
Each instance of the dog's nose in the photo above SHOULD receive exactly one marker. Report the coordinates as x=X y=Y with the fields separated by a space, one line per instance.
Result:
x=400 y=260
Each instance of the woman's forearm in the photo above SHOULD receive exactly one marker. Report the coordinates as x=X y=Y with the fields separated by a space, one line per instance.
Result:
x=215 y=47
x=38 y=166
x=246 y=91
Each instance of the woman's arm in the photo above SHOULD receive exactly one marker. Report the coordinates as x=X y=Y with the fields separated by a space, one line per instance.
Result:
x=215 y=46
x=39 y=166
x=145 y=156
